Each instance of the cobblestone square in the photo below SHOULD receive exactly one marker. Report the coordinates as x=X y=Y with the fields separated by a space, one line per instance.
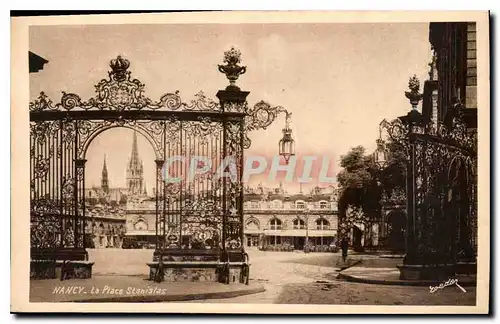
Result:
x=299 y=278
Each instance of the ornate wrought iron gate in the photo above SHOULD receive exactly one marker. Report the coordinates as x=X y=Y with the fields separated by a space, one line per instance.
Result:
x=192 y=213
x=441 y=187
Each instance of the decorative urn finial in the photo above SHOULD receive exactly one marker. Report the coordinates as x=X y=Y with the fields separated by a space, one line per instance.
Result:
x=231 y=69
x=119 y=68
x=414 y=94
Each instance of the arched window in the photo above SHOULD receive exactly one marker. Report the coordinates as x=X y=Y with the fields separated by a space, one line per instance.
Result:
x=252 y=224
x=322 y=224
x=275 y=224
x=299 y=224
x=323 y=205
x=140 y=225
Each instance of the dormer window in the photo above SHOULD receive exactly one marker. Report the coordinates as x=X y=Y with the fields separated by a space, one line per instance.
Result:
x=277 y=204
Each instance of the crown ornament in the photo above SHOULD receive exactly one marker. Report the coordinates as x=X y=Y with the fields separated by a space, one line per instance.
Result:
x=231 y=69
x=119 y=68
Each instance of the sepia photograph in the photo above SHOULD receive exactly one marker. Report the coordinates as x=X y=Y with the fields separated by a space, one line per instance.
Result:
x=280 y=162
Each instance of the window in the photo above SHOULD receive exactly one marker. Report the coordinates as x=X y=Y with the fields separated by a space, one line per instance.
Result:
x=322 y=224
x=299 y=224
x=471 y=55
x=141 y=225
x=323 y=205
x=275 y=224
x=253 y=224
x=276 y=204
x=300 y=205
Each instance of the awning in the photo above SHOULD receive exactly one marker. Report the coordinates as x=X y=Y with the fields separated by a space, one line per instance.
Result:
x=253 y=231
x=138 y=233
x=301 y=232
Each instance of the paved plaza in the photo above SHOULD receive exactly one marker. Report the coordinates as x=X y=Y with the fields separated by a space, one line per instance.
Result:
x=299 y=278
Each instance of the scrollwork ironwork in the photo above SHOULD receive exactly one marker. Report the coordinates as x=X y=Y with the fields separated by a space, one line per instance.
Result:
x=121 y=92
x=261 y=116
x=152 y=129
x=432 y=150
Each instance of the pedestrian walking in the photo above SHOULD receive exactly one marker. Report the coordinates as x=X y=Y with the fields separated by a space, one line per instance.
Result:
x=344 y=246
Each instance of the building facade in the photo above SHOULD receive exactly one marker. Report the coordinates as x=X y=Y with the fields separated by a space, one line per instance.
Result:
x=141 y=220
x=274 y=217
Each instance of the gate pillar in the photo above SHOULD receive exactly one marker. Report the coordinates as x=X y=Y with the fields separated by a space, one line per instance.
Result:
x=234 y=106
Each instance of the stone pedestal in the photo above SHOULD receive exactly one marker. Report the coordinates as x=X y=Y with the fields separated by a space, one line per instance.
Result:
x=199 y=265
x=426 y=272
x=174 y=273
x=68 y=263
x=468 y=268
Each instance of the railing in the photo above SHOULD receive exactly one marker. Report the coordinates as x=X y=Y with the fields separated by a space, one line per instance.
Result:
x=264 y=208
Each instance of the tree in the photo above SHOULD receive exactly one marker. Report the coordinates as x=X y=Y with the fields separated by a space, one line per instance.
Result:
x=359 y=177
x=392 y=177
x=359 y=189
x=363 y=183
x=357 y=169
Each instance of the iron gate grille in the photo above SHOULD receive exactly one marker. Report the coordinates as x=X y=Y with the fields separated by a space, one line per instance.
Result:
x=441 y=188
x=205 y=212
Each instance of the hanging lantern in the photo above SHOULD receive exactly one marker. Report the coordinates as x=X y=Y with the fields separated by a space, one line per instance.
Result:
x=287 y=144
x=381 y=154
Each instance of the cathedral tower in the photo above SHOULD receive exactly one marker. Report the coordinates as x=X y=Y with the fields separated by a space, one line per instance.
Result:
x=104 y=178
x=135 y=171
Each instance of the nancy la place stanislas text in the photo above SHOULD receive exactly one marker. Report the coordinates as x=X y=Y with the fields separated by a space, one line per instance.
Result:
x=106 y=290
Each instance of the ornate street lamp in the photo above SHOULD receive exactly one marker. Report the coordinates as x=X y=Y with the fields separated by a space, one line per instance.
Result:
x=381 y=154
x=287 y=144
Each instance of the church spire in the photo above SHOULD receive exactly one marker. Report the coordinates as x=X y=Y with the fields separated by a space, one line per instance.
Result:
x=135 y=170
x=134 y=158
x=104 y=177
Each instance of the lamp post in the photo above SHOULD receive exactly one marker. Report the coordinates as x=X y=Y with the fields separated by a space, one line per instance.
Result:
x=381 y=161
x=306 y=243
x=307 y=210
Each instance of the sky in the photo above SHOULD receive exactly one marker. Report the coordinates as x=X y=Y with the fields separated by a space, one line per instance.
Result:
x=339 y=81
